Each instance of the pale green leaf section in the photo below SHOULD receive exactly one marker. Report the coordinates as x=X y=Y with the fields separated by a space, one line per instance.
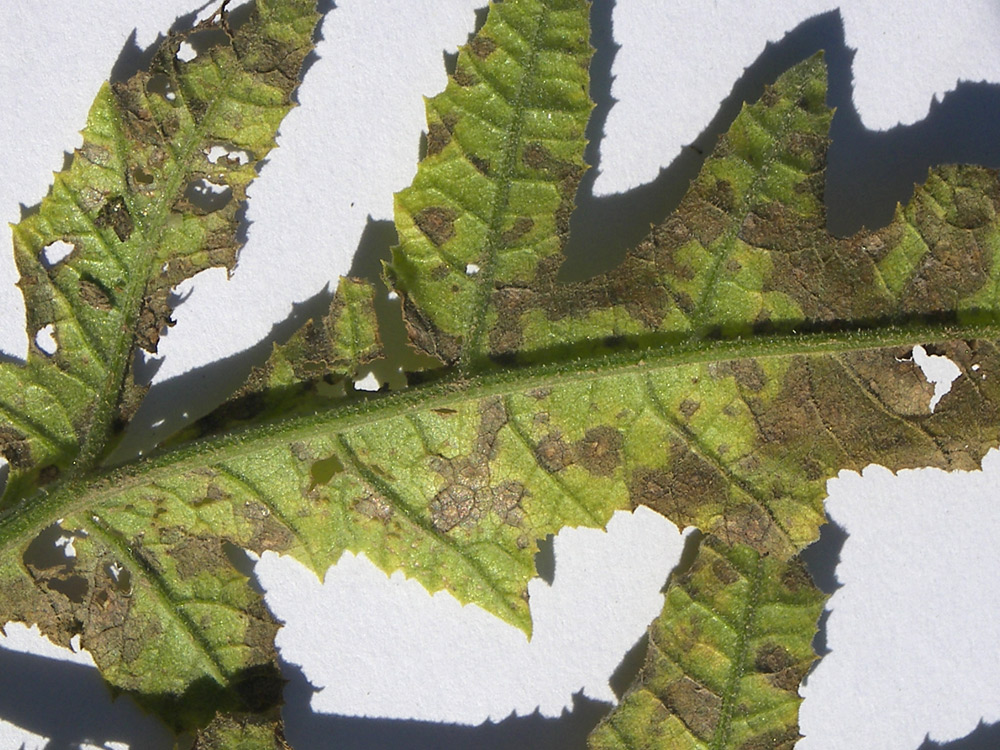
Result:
x=317 y=365
x=724 y=660
x=144 y=204
x=490 y=205
x=738 y=359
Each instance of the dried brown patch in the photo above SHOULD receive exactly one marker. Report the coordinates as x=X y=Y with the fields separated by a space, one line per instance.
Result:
x=469 y=494
x=599 y=452
x=482 y=46
x=695 y=705
x=438 y=136
x=94 y=295
x=437 y=222
x=115 y=214
x=680 y=490
x=196 y=555
x=775 y=739
x=522 y=225
x=14 y=447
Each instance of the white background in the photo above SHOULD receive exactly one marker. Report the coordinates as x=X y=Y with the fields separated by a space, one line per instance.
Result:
x=912 y=633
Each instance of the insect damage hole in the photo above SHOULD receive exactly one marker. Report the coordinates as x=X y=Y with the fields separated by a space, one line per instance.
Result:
x=940 y=372
x=207 y=196
x=231 y=155
x=186 y=52
x=45 y=340
x=56 y=252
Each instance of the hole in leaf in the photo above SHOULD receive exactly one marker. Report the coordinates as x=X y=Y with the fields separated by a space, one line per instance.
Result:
x=45 y=340
x=141 y=176
x=73 y=588
x=471 y=269
x=56 y=252
x=368 y=383
x=46 y=552
x=230 y=154
x=323 y=471
x=206 y=196
x=199 y=42
x=186 y=52
x=121 y=577
x=161 y=86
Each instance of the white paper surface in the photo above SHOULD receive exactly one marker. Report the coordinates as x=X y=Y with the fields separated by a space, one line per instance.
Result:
x=353 y=142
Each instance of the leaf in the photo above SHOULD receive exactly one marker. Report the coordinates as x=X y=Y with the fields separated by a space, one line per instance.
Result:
x=130 y=211
x=739 y=358
x=491 y=202
x=129 y=207
x=725 y=657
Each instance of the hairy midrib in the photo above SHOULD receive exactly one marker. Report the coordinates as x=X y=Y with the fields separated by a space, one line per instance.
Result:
x=28 y=518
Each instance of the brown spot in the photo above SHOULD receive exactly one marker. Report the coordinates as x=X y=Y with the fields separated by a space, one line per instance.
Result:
x=725 y=572
x=94 y=296
x=522 y=225
x=773 y=739
x=469 y=494
x=750 y=524
x=438 y=136
x=482 y=165
x=772 y=658
x=437 y=222
x=375 y=507
x=681 y=490
x=194 y=555
x=695 y=705
x=796 y=577
x=553 y=453
x=114 y=214
x=14 y=447
x=599 y=452
x=463 y=77
x=688 y=407
x=482 y=46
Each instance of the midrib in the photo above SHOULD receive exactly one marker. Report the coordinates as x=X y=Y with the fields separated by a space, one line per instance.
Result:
x=29 y=517
x=150 y=225
x=473 y=347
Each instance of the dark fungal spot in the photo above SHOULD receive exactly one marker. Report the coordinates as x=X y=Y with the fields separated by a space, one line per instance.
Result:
x=114 y=214
x=725 y=572
x=522 y=225
x=695 y=705
x=94 y=295
x=682 y=489
x=482 y=47
x=14 y=447
x=463 y=77
x=553 y=454
x=438 y=136
x=437 y=222
x=688 y=407
x=599 y=452
x=482 y=165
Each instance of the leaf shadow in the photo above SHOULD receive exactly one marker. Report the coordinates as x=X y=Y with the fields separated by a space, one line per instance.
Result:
x=307 y=729
x=69 y=704
x=983 y=737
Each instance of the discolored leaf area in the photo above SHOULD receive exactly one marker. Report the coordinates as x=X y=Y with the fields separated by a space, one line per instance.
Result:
x=725 y=658
x=146 y=202
x=151 y=198
x=739 y=358
x=491 y=202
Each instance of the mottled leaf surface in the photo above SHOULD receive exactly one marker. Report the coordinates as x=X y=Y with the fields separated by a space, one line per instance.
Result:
x=739 y=358
x=150 y=198
x=491 y=202
x=725 y=658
